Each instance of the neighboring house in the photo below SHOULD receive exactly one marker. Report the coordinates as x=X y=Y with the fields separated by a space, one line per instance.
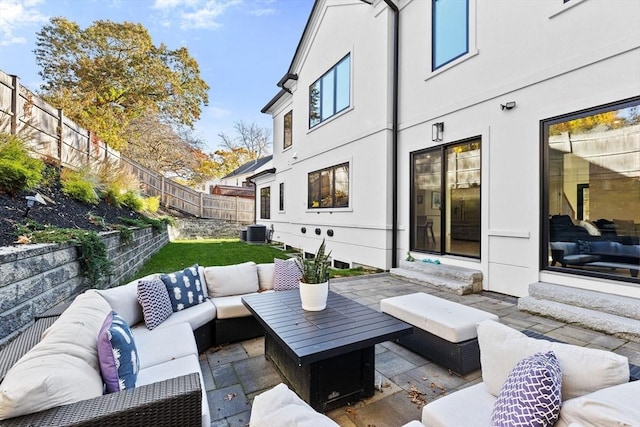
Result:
x=231 y=190
x=238 y=178
x=507 y=113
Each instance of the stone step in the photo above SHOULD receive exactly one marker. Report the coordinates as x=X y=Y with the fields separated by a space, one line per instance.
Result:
x=453 y=279
x=593 y=300
x=619 y=326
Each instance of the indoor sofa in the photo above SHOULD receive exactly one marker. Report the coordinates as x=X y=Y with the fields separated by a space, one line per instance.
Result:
x=593 y=389
x=60 y=380
x=600 y=253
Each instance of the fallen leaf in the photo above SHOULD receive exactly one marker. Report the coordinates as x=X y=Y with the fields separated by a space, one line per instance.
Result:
x=25 y=240
x=229 y=396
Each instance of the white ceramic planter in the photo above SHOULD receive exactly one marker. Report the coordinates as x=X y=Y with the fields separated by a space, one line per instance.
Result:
x=314 y=296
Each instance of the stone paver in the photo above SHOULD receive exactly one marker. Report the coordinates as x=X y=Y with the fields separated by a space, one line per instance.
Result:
x=241 y=370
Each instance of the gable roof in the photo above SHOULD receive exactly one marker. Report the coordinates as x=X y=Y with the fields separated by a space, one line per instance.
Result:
x=251 y=166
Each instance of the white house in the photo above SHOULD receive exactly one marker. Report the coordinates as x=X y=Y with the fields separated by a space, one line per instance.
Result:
x=497 y=136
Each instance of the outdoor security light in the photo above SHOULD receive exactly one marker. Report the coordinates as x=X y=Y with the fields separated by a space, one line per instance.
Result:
x=508 y=106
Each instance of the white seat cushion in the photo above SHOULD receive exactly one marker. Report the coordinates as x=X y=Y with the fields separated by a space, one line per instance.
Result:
x=175 y=368
x=446 y=319
x=152 y=345
x=470 y=406
x=195 y=316
x=584 y=370
x=231 y=307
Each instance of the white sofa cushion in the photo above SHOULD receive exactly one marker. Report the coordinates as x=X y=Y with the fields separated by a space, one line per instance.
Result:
x=48 y=375
x=175 y=368
x=231 y=307
x=124 y=300
x=470 y=406
x=283 y=408
x=195 y=316
x=502 y=347
x=153 y=345
x=265 y=276
x=612 y=406
x=235 y=279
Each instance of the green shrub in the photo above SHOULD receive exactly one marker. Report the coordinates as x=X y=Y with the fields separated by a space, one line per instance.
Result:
x=18 y=170
x=151 y=204
x=133 y=200
x=78 y=185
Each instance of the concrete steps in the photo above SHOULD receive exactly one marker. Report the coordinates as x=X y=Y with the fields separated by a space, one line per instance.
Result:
x=456 y=280
x=613 y=314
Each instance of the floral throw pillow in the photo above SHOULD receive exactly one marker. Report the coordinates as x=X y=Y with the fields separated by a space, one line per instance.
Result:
x=286 y=275
x=155 y=302
x=117 y=354
x=531 y=395
x=184 y=287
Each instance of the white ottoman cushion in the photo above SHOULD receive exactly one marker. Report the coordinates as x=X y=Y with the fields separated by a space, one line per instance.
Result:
x=446 y=319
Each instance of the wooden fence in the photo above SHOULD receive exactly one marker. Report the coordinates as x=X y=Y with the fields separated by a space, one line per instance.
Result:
x=53 y=136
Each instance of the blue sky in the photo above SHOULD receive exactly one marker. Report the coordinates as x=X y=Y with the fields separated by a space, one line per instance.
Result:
x=243 y=47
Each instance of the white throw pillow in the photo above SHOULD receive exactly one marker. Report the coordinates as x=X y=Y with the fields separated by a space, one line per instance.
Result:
x=235 y=279
x=584 y=370
x=63 y=367
x=591 y=229
x=265 y=276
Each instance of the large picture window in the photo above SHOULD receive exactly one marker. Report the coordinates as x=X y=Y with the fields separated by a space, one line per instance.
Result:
x=288 y=126
x=445 y=207
x=591 y=192
x=450 y=31
x=329 y=188
x=330 y=94
x=265 y=203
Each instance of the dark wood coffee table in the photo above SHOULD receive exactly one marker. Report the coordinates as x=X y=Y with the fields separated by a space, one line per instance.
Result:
x=326 y=356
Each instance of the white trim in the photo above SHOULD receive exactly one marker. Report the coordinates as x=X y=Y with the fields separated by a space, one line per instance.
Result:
x=564 y=7
x=519 y=234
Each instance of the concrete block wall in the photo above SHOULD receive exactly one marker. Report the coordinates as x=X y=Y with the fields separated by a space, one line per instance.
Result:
x=34 y=278
x=197 y=228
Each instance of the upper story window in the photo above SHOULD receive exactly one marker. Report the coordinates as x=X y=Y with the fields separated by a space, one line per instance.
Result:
x=288 y=126
x=329 y=188
x=450 y=27
x=330 y=94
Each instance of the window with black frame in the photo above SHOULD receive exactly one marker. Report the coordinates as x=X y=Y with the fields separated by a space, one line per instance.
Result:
x=445 y=205
x=281 y=200
x=591 y=191
x=329 y=188
x=330 y=94
x=288 y=126
x=265 y=203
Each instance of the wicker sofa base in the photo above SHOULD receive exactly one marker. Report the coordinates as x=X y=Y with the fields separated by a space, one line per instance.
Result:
x=236 y=329
x=461 y=358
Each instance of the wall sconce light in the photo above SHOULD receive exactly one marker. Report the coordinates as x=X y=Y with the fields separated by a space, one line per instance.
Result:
x=32 y=200
x=437 y=130
x=295 y=156
x=508 y=106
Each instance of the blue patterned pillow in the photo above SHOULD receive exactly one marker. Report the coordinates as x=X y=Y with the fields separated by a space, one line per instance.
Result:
x=155 y=301
x=286 y=275
x=117 y=354
x=531 y=395
x=184 y=287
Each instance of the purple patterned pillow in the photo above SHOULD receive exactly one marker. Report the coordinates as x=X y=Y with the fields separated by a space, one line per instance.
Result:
x=286 y=275
x=531 y=395
x=155 y=301
x=117 y=354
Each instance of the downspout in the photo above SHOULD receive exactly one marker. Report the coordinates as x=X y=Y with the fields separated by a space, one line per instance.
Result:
x=394 y=133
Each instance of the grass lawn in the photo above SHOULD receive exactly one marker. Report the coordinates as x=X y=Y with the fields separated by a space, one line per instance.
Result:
x=180 y=254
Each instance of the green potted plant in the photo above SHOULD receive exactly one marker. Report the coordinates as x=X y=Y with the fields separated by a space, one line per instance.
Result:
x=314 y=282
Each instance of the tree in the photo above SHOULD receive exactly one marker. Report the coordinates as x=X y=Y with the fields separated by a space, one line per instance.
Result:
x=106 y=76
x=254 y=139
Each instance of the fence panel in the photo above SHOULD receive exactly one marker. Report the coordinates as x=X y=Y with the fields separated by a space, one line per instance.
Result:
x=54 y=136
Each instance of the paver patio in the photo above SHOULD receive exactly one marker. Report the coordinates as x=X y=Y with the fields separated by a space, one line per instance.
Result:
x=234 y=374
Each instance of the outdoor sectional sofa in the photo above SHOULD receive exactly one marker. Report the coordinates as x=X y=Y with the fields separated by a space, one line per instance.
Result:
x=58 y=380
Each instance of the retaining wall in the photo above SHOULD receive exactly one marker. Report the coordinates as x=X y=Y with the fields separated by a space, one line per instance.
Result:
x=197 y=228
x=34 y=278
